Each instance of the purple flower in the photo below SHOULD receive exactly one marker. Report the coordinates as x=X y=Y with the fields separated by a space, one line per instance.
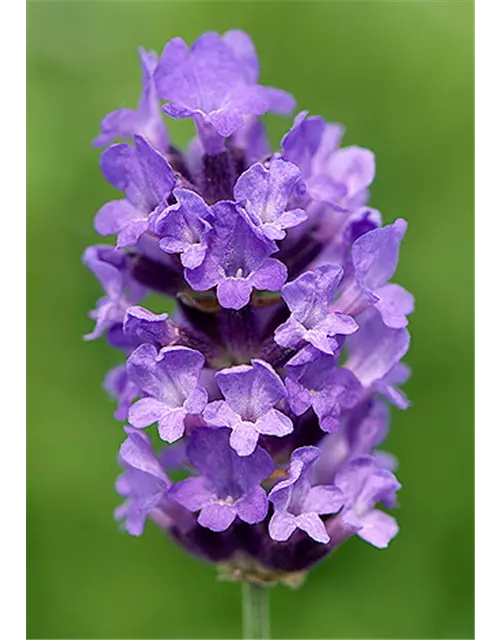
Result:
x=337 y=230
x=147 y=179
x=344 y=178
x=119 y=386
x=301 y=374
x=266 y=195
x=301 y=143
x=298 y=505
x=170 y=381
x=331 y=137
x=362 y=429
x=311 y=144
x=146 y=120
x=141 y=325
x=339 y=177
x=310 y=297
x=229 y=486
x=251 y=393
x=314 y=380
x=109 y=267
x=375 y=257
x=184 y=228
x=237 y=259
x=364 y=483
x=144 y=482
x=388 y=385
x=374 y=355
x=215 y=82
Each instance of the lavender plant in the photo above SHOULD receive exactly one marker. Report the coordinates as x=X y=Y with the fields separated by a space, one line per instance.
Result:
x=271 y=380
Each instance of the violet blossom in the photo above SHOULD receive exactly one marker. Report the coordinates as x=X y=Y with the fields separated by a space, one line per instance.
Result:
x=146 y=178
x=310 y=298
x=146 y=120
x=229 y=485
x=250 y=395
x=275 y=373
x=215 y=83
x=298 y=504
x=169 y=381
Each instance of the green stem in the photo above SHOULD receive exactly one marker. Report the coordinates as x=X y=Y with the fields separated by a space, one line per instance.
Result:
x=256 y=620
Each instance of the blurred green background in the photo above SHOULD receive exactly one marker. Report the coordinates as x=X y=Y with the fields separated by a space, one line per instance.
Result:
x=400 y=77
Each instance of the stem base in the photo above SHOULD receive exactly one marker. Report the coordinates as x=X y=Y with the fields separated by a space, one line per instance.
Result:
x=256 y=619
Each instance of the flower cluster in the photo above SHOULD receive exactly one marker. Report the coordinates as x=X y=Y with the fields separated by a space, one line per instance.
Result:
x=271 y=380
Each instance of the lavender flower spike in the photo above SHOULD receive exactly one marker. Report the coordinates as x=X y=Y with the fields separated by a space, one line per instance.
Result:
x=170 y=381
x=229 y=486
x=146 y=120
x=309 y=298
x=298 y=505
x=275 y=370
x=251 y=393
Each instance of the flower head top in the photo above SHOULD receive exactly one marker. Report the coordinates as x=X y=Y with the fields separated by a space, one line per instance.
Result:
x=215 y=83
